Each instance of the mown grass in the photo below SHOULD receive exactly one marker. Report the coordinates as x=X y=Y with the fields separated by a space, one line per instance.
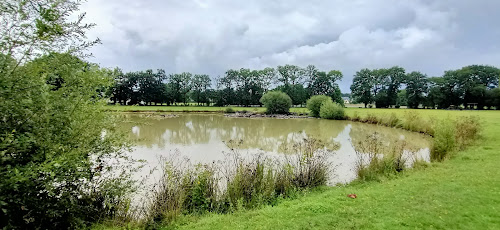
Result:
x=460 y=193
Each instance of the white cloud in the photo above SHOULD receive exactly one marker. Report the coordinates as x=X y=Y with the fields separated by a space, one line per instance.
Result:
x=211 y=36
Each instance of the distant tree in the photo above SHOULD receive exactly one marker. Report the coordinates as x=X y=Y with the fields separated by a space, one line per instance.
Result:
x=493 y=98
x=181 y=86
x=387 y=82
x=201 y=84
x=362 y=85
x=416 y=88
x=324 y=83
x=268 y=78
x=402 y=99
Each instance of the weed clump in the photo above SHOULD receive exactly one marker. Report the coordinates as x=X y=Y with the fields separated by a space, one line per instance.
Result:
x=375 y=160
x=451 y=135
x=467 y=130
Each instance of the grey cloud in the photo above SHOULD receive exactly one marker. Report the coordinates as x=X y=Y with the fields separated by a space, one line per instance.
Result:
x=211 y=36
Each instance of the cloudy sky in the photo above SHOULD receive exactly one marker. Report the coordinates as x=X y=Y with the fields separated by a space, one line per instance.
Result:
x=211 y=36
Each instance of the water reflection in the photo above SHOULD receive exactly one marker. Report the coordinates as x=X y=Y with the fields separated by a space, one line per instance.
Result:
x=203 y=137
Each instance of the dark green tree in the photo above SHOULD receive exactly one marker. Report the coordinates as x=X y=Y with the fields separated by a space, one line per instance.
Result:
x=362 y=85
x=416 y=89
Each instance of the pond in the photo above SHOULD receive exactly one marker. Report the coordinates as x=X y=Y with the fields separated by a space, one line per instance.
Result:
x=204 y=138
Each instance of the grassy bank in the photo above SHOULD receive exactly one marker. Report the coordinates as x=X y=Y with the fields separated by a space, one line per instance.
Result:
x=212 y=109
x=461 y=193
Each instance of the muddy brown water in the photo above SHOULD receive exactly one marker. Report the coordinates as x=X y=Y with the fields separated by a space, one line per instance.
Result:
x=204 y=138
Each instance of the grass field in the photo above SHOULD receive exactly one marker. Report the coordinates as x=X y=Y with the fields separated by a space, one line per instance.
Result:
x=460 y=193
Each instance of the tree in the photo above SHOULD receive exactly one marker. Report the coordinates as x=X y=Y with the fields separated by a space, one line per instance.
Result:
x=473 y=81
x=292 y=79
x=386 y=83
x=276 y=102
x=201 y=83
x=297 y=93
x=416 y=88
x=181 y=86
x=268 y=77
x=324 y=83
x=493 y=98
x=49 y=99
x=361 y=87
x=402 y=99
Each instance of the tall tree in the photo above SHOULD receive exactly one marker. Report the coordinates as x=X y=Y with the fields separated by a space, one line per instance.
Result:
x=181 y=86
x=201 y=83
x=416 y=88
x=362 y=85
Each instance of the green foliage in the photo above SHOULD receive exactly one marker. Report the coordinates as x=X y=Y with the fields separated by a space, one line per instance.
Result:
x=54 y=165
x=376 y=161
x=362 y=86
x=240 y=184
x=276 y=102
x=468 y=129
x=444 y=142
x=314 y=104
x=55 y=138
x=416 y=87
x=229 y=110
x=331 y=110
x=402 y=99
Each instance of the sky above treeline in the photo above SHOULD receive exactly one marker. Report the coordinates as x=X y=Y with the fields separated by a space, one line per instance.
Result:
x=212 y=36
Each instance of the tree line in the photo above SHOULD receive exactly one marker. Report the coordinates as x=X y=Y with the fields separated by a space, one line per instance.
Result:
x=243 y=87
x=471 y=86
x=474 y=86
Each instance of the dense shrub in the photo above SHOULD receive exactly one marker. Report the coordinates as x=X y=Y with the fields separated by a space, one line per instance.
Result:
x=276 y=102
x=314 y=104
x=52 y=148
x=229 y=110
x=331 y=110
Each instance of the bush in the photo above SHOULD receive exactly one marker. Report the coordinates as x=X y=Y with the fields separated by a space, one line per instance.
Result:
x=331 y=110
x=276 y=102
x=314 y=104
x=230 y=110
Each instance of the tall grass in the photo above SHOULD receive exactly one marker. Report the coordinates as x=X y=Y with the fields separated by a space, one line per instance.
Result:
x=451 y=135
x=375 y=160
x=238 y=182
